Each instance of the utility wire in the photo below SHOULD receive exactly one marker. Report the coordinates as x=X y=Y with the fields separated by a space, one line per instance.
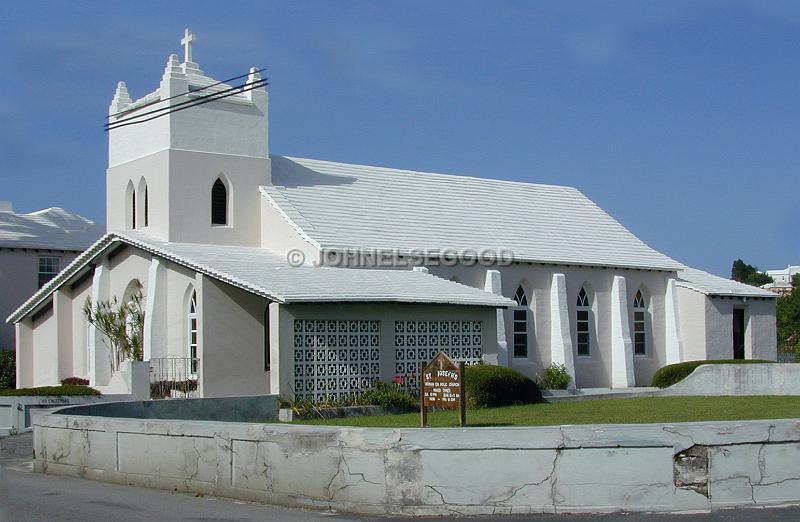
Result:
x=125 y=111
x=194 y=103
x=232 y=90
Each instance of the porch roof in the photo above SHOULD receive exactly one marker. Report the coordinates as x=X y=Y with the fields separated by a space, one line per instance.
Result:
x=268 y=274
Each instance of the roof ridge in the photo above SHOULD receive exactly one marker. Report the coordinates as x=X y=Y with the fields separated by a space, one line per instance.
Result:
x=434 y=174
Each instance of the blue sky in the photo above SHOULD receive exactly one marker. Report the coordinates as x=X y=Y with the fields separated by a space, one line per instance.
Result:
x=678 y=118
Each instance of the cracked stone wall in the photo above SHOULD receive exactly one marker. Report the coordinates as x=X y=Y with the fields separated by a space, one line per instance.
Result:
x=656 y=467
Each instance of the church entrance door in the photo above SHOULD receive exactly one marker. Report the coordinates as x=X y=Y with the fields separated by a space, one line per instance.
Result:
x=738 y=333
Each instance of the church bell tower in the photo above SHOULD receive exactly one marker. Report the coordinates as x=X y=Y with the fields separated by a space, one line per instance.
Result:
x=185 y=161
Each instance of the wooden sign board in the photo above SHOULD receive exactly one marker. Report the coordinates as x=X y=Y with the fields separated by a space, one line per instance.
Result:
x=442 y=386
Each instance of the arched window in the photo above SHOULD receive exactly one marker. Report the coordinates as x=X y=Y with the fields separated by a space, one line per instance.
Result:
x=130 y=206
x=520 y=323
x=146 y=208
x=219 y=203
x=582 y=323
x=192 y=333
x=143 y=213
x=639 y=322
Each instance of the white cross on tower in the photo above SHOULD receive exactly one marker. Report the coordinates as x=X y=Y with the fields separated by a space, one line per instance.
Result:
x=186 y=42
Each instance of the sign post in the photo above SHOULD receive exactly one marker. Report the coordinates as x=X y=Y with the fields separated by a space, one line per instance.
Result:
x=442 y=386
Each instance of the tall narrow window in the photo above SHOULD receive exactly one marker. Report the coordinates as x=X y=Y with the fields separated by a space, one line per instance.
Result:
x=639 y=332
x=521 y=323
x=146 y=208
x=219 y=203
x=48 y=268
x=130 y=206
x=582 y=323
x=192 y=337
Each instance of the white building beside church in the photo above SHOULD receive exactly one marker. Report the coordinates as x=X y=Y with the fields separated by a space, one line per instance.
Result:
x=212 y=223
x=782 y=279
x=34 y=247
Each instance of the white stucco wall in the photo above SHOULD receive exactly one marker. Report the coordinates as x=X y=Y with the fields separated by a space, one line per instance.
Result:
x=678 y=467
x=226 y=126
x=278 y=235
x=759 y=321
x=593 y=370
x=233 y=348
x=179 y=192
x=24 y=359
x=45 y=350
x=706 y=326
x=761 y=329
x=692 y=320
x=78 y=329
x=153 y=169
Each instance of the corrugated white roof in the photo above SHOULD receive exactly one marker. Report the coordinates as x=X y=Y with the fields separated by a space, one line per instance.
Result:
x=268 y=274
x=337 y=205
x=710 y=284
x=52 y=228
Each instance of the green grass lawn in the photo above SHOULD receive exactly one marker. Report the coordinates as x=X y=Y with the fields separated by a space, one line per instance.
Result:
x=606 y=411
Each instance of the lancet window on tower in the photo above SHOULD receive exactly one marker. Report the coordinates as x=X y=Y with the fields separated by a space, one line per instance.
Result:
x=219 y=203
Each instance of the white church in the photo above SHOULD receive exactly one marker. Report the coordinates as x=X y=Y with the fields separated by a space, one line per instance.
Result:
x=227 y=238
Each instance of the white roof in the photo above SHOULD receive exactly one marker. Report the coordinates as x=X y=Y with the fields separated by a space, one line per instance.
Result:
x=266 y=273
x=337 y=206
x=710 y=284
x=52 y=228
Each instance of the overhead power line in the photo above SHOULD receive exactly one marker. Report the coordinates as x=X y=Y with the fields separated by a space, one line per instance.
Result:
x=157 y=113
x=125 y=111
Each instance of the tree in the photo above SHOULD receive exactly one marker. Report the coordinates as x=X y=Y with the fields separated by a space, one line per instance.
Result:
x=121 y=325
x=748 y=274
x=788 y=319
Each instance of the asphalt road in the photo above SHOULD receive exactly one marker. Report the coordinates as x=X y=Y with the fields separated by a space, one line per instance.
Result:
x=27 y=496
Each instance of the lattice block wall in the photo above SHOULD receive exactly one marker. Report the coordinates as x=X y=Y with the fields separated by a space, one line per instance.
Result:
x=334 y=358
x=417 y=342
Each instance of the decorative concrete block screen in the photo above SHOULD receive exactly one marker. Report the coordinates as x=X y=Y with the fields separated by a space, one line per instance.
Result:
x=334 y=359
x=417 y=342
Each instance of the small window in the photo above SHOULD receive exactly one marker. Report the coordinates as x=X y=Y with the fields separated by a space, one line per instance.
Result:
x=146 y=208
x=520 y=323
x=219 y=203
x=192 y=334
x=582 y=323
x=48 y=268
x=130 y=206
x=639 y=322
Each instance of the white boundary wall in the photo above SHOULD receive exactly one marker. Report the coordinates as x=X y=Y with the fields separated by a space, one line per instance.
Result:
x=739 y=379
x=604 y=468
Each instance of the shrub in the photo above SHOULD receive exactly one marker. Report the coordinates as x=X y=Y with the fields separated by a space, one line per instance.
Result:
x=8 y=370
x=75 y=380
x=555 y=377
x=51 y=391
x=388 y=396
x=675 y=373
x=488 y=385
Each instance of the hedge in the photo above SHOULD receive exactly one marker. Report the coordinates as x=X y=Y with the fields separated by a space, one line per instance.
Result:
x=8 y=371
x=51 y=391
x=489 y=386
x=675 y=373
